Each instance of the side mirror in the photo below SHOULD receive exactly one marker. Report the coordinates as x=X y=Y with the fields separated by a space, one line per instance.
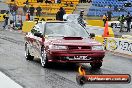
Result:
x=92 y=35
x=38 y=34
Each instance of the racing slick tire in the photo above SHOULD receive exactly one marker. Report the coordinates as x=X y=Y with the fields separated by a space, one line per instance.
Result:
x=27 y=53
x=43 y=58
x=96 y=65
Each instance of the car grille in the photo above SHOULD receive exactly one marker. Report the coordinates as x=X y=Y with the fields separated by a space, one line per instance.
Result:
x=78 y=47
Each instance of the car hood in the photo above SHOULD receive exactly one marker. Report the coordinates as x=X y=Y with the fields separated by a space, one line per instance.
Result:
x=74 y=42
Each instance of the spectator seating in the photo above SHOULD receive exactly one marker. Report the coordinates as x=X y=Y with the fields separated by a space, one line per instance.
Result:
x=100 y=7
x=75 y=2
x=51 y=8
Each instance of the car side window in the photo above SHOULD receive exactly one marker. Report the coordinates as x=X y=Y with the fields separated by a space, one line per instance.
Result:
x=37 y=28
x=33 y=30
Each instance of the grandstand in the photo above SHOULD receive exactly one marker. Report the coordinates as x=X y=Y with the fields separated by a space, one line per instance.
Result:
x=100 y=7
x=48 y=8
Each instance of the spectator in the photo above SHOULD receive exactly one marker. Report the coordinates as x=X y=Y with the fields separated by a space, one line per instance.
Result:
x=41 y=1
x=14 y=17
x=121 y=19
x=31 y=9
x=6 y=17
x=55 y=1
x=104 y=18
x=71 y=4
x=84 y=1
x=10 y=7
x=27 y=3
x=60 y=13
x=128 y=21
x=27 y=16
x=109 y=6
x=15 y=8
x=81 y=20
x=37 y=1
x=25 y=9
x=58 y=1
x=109 y=15
x=81 y=1
x=89 y=1
x=39 y=9
x=66 y=4
x=116 y=8
x=48 y=1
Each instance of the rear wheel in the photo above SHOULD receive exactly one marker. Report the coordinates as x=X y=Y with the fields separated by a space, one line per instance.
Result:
x=96 y=65
x=44 y=60
x=27 y=53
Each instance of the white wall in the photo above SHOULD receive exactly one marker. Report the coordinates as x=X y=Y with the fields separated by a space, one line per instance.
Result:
x=120 y=45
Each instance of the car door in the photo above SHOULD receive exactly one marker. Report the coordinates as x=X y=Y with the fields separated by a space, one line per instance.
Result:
x=37 y=42
x=30 y=40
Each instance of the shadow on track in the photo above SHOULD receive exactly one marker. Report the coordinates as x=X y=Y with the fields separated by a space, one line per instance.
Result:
x=71 y=67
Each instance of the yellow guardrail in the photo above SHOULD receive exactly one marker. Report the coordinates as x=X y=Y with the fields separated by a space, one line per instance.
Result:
x=100 y=38
x=99 y=24
x=95 y=22
x=2 y=17
x=27 y=26
x=44 y=18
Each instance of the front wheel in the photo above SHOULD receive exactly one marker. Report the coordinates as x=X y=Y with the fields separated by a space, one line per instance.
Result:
x=96 y=65
x=44 y=60
x=27 y=53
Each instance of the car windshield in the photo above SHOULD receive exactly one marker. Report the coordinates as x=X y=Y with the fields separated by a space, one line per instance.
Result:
x=73 y=17
x=65 y=30
x=95 y=30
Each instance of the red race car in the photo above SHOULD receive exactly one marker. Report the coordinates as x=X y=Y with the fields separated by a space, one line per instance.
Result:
x=62 y=42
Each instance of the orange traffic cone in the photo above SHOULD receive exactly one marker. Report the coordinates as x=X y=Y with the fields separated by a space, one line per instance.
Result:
x=106 y=30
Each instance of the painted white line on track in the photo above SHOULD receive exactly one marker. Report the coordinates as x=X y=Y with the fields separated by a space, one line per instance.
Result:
x=6 y=82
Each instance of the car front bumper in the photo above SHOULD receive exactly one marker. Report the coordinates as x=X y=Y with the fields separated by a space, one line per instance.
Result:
x=70 y=56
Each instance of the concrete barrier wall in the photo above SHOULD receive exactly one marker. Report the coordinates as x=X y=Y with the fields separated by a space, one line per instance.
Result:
x=95 y=22
x=119 y=45
x=99 y=38
x=27 y=26
x=44 y=18
x=2 y=17
x=23 y=18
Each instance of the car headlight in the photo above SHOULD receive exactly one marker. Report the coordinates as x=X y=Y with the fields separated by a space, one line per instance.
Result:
x=97 y=48
x=57 y=47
